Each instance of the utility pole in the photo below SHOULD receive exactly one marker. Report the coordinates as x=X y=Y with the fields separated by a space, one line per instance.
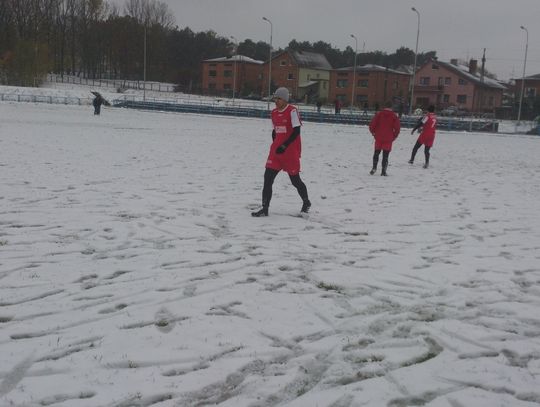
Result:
x=269 y=63
x=415 y=59
x=523 y=76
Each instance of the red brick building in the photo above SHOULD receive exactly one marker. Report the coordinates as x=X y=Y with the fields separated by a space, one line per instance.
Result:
x=446 y=84
x=374 y=85
x=221 y=75
x=305 y=74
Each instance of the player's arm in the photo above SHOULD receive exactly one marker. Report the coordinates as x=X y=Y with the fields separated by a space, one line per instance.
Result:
x=419 y=124
x=295 y=121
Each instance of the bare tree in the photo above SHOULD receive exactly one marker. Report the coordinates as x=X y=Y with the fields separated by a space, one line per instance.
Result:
x=150 y=12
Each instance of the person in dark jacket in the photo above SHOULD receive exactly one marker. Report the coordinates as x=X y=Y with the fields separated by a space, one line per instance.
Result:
x=97 y=102
x=384 y=127
x=337 y=106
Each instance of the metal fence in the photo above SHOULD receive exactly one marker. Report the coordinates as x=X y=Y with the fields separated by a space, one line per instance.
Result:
x=311 y=116
x=112 y=83
x=243 y=108
x=59 y=100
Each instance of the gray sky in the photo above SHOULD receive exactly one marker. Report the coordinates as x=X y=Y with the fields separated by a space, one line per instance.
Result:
x=454 y=28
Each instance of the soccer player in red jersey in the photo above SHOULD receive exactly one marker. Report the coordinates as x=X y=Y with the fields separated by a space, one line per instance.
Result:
x=284 y=152
x=427 y=136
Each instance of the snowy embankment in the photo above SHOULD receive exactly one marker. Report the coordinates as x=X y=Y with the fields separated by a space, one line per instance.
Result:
x=131 y=273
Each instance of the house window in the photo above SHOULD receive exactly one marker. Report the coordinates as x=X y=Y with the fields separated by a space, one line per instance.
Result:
x=490 y=101
x=228 y=64
x=343 y=74
x=424 y=80
x=361 y=98
x=447 y=80
x=283 y=63
x=227 y=86
x=434 y=66
x=341 y=97
x=342 y=83
x=446 y=98
x=324 y=85
x=227 y=74
x=462 y=81
x=290 y=77
x=395 y=85
x=212 y=73
x=462 y=99
x=440 y=81
x=308 y=77
x=211 y=86
x=363 y=83
x=530 y=92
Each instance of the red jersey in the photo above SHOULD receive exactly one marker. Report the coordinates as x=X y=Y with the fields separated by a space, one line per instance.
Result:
x=385 y=127
x=284 y=122
x=429 y=124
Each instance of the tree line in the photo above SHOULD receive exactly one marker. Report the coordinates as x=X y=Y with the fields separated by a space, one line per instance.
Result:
x=99 y=39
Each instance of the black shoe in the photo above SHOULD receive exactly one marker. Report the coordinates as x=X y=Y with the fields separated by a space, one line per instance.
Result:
x=305 y=206
x=411 y=161
x=260 y=212
x=426 y=165
x=372 y=171
x=384 y=174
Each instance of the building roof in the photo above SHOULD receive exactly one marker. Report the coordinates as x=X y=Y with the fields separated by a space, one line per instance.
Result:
x=372 y=68
x=237 y=58
x=531 y=77
x=463 y=71
x=305 y=59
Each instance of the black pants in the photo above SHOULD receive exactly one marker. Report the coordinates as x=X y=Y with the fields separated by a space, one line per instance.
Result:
x=415 y=149
x=385 y=156
x=270 y=176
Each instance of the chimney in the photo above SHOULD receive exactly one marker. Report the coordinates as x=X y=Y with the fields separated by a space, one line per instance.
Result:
x=453 y=61
x=473 y=66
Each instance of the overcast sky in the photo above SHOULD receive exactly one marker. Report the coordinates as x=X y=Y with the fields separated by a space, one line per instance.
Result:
x=454 y=28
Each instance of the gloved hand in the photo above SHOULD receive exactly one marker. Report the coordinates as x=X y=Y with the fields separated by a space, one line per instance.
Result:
x=281 y=149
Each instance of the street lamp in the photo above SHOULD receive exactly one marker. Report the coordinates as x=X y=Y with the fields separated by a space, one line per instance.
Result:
x=415 y=59
x=144 y=65
x=354 y=70
x=523 y=77
x=235 y=58
x=269 y=63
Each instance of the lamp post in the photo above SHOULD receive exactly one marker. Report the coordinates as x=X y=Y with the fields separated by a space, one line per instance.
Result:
x=234 y=74
x=144 y=65
x=415 y=59
x=354 y=71
x=269 y=63
x=523 y=76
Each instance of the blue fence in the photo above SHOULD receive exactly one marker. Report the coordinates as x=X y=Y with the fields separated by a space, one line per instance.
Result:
x=344 y=118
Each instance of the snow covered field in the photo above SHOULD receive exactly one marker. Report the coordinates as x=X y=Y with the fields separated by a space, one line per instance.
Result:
x=131 y=273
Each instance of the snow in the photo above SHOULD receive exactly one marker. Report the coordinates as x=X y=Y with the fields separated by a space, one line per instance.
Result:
x=131 y=273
